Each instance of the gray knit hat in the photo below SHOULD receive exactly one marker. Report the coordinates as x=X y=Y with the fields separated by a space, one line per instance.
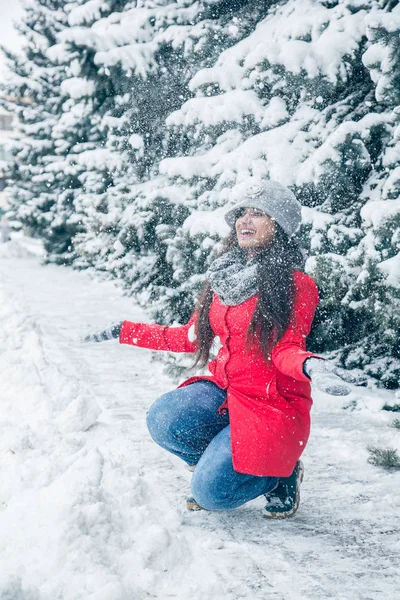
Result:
x=276 y=200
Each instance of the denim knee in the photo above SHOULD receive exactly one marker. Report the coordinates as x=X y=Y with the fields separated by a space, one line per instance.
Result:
x=208 y=492
x=158 y=420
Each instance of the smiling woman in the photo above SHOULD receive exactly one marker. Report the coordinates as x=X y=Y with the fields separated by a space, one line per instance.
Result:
x=254 y=229
x=243 y=427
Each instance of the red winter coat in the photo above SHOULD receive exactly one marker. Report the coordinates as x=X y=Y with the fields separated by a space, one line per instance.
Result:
x=269 y=402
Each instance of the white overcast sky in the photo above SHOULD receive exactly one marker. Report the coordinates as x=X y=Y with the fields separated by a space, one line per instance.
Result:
x=10 y=10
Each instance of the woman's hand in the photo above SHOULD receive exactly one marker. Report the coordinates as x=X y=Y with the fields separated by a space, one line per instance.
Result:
x=329 y=378
x=112 y=331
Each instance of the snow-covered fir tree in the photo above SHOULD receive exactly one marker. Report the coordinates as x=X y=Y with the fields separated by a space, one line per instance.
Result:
x=374 y=295
x=170 y=109
x=293 y=102
x=150 y=52
x=86 y=96
x=32 y=93
x=58 y=105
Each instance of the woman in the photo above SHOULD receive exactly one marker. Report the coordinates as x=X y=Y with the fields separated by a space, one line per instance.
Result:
x=243 y=428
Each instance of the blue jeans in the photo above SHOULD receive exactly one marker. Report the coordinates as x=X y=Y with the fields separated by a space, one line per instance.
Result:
x=186 y=423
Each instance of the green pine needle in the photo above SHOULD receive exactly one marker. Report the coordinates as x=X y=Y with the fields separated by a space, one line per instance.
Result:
x=384 y=457
x=391 y=408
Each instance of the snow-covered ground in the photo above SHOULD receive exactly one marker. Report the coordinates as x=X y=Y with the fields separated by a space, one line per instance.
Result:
x=92 y=509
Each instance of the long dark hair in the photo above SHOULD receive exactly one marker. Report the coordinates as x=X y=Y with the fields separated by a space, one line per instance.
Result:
x=275 y=265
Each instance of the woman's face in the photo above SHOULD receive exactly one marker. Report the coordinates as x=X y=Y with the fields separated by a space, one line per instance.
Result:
x=254 y=229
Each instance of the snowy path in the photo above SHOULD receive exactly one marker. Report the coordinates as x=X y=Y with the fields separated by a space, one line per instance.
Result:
x=93 y=509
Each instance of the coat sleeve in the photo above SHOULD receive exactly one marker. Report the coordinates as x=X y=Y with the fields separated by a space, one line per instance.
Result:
x=160 y=337
x=289 y=353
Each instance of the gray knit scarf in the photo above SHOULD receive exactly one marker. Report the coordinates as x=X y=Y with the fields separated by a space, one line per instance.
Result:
x=233 y=278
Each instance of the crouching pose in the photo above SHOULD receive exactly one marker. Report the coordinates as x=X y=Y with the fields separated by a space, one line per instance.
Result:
x=243 y=428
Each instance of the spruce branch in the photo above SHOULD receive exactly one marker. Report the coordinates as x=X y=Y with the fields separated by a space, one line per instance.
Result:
x=395 y=424
x=387 y=458
x=391 y=408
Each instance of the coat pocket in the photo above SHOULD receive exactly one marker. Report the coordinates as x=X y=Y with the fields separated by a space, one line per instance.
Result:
x=271 y=383
x=273 y=394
